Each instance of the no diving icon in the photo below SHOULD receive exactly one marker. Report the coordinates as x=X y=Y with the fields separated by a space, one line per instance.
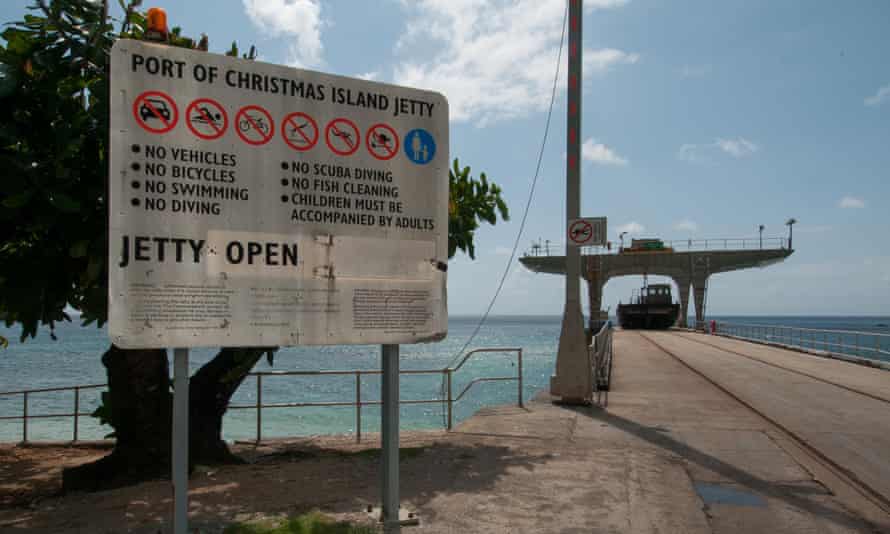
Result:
x=420 y=147
x=155 y=112
x=299 y=131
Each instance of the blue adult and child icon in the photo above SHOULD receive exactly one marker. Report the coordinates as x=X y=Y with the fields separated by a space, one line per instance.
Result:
x=157 y=112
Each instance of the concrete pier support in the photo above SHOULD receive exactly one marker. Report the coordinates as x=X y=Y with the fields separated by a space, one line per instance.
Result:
x=700 y=288
x=683 y=294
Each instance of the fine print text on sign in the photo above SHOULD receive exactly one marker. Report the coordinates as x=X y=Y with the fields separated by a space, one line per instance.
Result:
x=589 y=231
x=259 y=205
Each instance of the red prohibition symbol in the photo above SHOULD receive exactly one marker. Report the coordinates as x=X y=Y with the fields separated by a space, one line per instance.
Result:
x=300 y=131
x=382 y=141
x=206 y=118
x=342 y=136
x=254 y=125
x=580 y=232
x=155 y=112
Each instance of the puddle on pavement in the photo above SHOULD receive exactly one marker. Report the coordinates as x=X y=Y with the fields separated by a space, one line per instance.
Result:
x=717 y=494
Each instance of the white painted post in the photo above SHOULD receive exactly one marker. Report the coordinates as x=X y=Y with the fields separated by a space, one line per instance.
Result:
x=180 y=440
x=390 y=439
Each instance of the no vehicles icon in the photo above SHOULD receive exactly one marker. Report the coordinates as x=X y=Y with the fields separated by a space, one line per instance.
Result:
x=342 y=136
x=580 y=232
x=206 y=118
x=254 y=125
x=299 y=131
x=382 y=141
x=155 y=112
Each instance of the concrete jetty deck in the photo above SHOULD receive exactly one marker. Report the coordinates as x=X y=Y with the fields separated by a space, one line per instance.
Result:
x=701 y=434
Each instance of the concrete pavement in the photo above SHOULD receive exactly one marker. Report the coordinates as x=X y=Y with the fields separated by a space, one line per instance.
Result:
x=671 y=453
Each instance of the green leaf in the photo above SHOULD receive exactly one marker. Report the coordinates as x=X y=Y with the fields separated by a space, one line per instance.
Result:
x=64 y=203
x=18 y=200
x=79 y=249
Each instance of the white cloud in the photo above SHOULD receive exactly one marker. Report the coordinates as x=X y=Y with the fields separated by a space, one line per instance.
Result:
x=370 y=76
x=851 y=202
x=493 y=59
x=878 y=98
x=300 y=19
x=600 y=153
x=686 y=225
x=737 y=147
x=633 y=227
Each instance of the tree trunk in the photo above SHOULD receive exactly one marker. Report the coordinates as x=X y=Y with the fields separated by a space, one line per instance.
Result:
x=210 y=391
x=140 y=403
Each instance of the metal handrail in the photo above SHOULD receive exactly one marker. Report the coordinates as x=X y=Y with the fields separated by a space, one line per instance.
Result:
x=599 y=356
x=258 y=406
x=678 y=245
x=847 y=343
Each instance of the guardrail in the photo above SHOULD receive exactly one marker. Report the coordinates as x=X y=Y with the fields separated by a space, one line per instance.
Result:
x=599 y=356
x=357 y=402
x=678 y=245
x=847 y=344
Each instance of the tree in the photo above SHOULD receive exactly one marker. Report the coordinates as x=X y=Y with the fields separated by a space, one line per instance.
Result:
x=53 y=230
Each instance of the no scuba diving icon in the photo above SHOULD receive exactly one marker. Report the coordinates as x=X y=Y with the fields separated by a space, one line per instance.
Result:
x=254 y=125
x=155 y=112
x=420 y=147
x=206 y=118
x=342 y=136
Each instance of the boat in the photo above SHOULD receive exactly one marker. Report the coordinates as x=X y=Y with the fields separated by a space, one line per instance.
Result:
x=653 y=308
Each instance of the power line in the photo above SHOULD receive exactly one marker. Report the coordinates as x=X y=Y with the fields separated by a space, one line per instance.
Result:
x=528 y=203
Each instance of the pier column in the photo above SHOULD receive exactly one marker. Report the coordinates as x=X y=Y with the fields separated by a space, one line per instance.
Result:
x=595 y=285
x=683 y=290
x=700 y=288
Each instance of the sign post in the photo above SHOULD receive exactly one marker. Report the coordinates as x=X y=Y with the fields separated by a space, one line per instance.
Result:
x=390 y=438
x=231 y=224
x=180 y=445
x=571 y=381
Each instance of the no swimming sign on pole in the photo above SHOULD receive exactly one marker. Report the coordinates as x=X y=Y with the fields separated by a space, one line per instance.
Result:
x=233 y=224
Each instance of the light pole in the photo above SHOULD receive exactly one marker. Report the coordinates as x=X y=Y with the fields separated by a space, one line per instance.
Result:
x=761 y=227
x=791 y=222
x=621 y=237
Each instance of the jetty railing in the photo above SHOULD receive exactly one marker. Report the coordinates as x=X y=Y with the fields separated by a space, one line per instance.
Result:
x=258 y=406
x=873 y=347
x=552 y=248
x=599 y=357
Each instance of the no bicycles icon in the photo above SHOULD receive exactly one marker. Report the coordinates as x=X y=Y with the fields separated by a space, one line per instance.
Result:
x=254 y=125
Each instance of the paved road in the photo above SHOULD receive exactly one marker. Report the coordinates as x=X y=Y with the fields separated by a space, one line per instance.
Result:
x=837 y=407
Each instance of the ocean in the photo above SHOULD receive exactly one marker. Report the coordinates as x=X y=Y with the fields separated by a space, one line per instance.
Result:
x=74 y=359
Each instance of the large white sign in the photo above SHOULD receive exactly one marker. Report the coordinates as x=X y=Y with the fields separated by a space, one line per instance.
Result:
x=259 y=205
x=588 y=231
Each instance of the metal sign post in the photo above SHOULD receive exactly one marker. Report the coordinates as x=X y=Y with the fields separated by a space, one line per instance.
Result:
x=180 y=445
x=390 y=438
x=572 y=380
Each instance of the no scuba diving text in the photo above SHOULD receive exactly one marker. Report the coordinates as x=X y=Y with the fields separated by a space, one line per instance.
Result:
x=158 y=249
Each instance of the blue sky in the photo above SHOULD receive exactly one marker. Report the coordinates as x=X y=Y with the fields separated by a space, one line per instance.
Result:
x=701 y=119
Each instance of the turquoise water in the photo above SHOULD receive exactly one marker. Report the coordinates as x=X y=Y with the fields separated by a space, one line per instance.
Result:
x=75 y=359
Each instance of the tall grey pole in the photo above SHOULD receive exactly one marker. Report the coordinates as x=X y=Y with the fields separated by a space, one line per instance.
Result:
x=390 y=438
x=572 y=380
x=180 y=441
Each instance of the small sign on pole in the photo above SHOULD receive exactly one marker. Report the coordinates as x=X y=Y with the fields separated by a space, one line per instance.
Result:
x=589 y=231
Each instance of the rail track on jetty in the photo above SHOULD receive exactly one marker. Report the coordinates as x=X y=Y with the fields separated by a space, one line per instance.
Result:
x=851 y=479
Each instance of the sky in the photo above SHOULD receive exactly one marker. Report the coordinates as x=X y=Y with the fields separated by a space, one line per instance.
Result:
x=700 y=119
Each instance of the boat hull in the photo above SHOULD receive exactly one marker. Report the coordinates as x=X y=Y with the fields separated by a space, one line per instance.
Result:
x=648 y=316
